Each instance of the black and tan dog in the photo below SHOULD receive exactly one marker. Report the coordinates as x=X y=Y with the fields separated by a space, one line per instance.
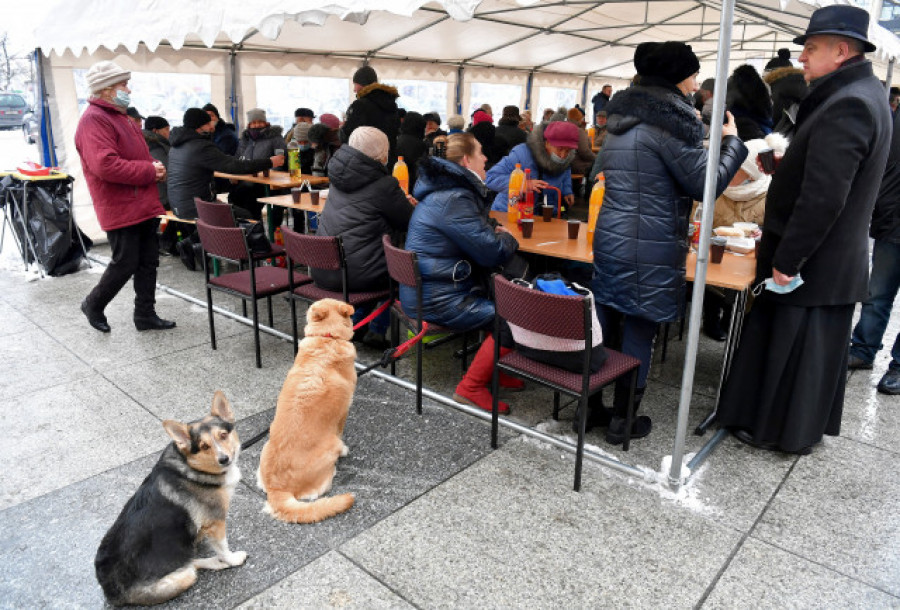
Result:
x=148 y=555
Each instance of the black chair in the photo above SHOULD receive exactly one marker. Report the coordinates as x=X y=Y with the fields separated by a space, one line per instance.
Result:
x=251 y=284
x=320 y=252
x=565 y=317
x=403 y=267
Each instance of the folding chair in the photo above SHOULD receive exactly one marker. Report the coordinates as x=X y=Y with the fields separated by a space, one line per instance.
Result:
x=565 y=317
x=220 y=214
x=320 y=252
x=403 y=267
x=252 y=284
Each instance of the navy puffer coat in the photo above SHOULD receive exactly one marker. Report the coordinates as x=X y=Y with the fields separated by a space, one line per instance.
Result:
x=456 y=246
x=364 y=203
x=655 y=165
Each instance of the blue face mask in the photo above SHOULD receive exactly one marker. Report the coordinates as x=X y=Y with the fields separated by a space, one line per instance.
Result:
x=305 y=147
x=771 y=286
x=122 y=99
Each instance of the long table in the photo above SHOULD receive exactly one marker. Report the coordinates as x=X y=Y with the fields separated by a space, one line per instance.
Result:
x=735 y=273
x=287 y=201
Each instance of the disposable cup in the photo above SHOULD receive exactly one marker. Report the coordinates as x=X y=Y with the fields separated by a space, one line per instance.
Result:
x=295 y=194
x=547 y=211
x=574 y=226
x=717 y=250
x=767 y=159
x=314 y=197
x=527 y=227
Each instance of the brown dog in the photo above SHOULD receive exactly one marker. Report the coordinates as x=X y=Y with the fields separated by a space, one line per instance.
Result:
x=298 y=462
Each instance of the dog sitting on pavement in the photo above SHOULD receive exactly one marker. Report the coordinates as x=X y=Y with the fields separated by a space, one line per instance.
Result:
x=298 y=463
x=147 y=556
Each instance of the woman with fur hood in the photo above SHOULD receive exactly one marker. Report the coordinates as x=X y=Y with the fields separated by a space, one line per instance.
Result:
x=747 y=98
x=788 y=88
x=655 y=167
x=548 y=153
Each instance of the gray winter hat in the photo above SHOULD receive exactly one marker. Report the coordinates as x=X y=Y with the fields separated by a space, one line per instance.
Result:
x=256 y=114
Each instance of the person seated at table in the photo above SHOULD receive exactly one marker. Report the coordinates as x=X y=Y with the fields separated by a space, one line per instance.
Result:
x=156 y=135
x=548 y=153
x=456 y=248
x=455 y=124
x=655 y=166
x=484 y=131
x=584 y=155
x=302 y=116
x=411 y=144
x=224 y=135
x=364 y=203
x=259 y=141
x=508 y=133
x=743 y=201
x=325 y=140
x=432 y=129
x=193 y=159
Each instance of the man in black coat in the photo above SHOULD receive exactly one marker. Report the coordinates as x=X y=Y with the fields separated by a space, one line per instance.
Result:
x=224 y=134
x=375 y=106
x=786 y=387
x=600 y=100
x=885 y=280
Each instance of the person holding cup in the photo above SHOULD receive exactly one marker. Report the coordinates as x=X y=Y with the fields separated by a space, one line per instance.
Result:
x=260 y=140
x=786 y=387
x=655 y=166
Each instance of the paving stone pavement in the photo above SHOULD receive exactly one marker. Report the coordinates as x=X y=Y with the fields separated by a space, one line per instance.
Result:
x=441 y=520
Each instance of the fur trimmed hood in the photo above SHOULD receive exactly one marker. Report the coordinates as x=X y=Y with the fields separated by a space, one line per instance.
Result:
x=748 y=92
x=535 y=143
x=775 y=75
x=378 y=88
x=657 y=106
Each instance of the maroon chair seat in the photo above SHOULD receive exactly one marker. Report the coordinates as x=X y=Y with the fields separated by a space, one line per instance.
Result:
x=219 y=214
x=565 y=317
x=230 y=244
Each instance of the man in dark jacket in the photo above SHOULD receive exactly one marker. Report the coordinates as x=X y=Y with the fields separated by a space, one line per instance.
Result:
x=224 y=135
x=484 y=131
x=786 y=387
x=885 y=279
x=259 y=141
x=432 y=130
x=375 y=106
x=600 y=100
x=121 y=177
x=156 y=135
x=507 y=135
x=411 y=144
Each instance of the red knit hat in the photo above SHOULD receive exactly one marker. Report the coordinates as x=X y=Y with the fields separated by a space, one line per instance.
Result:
x=561 y=133
x=481 y=116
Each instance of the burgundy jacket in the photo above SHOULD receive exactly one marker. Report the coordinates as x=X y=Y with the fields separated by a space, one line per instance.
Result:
x=117 y=166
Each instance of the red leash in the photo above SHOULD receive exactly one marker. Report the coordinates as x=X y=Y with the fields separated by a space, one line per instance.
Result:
x=394 y=353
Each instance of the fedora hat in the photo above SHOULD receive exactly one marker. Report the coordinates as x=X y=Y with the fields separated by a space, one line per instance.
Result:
x=839 y=20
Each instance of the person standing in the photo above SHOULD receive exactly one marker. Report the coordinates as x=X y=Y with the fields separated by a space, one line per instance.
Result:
x=786 y=387
x=375 y=106
x=885 y=280
x=121 y=177
x=600 y=100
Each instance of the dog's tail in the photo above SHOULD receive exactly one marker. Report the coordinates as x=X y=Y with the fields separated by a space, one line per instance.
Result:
x=283 y=506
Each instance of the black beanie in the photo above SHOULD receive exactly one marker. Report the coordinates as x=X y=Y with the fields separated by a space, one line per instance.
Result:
x=195 y=118
x=671 y=61
x=304 y=112
x=214 y=110
x=155 y=122
x=365 y=76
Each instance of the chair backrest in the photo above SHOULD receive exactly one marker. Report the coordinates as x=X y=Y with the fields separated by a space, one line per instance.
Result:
x=403 y=265
x=567 y=317
x=223 y=242
x=214 y=213
x=315 y=251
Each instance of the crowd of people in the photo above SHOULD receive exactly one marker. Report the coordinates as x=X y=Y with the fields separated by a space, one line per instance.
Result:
x=829 y=124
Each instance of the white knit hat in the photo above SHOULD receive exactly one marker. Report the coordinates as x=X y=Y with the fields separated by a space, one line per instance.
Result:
x=371 y=142
x=105 y=74
x=775 y=141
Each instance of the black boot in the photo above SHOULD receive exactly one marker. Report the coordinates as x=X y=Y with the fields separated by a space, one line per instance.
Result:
x=640 y=424
x=712 y=316
x=598 y=416
x=186 y=252
x=95 y=318
x=152 y=322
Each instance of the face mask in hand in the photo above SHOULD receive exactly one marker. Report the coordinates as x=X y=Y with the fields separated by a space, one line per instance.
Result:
x=770 y=285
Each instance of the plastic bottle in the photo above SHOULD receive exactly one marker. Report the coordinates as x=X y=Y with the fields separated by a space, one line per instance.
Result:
x=594 y=205
x=177 y=235
x=293 y=151
x=401 y=173
x=695 y=227
x=516 y=186
x=526 y=206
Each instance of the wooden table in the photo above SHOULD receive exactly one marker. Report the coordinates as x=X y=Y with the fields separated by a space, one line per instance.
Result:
x=287 y=201
x=276 y=179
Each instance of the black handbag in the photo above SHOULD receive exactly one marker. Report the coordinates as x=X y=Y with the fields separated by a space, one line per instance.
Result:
x=255 y=233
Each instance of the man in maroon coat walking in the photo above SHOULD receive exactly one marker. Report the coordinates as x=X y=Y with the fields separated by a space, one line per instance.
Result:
x=121 y=177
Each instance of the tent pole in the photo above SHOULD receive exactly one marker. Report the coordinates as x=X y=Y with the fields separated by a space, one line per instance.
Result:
x=529 y=84
x=584 y=93
x=709 y=197
x=460 y=76
x=232 y=62
x=46 y=145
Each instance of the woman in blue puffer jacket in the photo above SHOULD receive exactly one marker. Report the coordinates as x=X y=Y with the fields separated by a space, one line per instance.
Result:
x=456 y=245
x=655 y=166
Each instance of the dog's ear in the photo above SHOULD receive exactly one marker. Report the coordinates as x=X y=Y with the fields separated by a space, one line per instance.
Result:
x=316 y=314
x=221 y=407
x=179 y=433
x=346 y=309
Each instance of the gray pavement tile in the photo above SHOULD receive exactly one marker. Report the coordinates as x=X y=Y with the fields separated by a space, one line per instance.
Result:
x=395 y=455
x=12 y=322
x=328 y=582
x=67 y=433
x=510 y=532
x=838 y=508
x=870 y=417
x=763 y=576
x=33 y=360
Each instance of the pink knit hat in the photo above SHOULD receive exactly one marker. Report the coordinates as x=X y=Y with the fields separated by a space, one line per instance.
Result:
x=561 y=133
x=330 y=120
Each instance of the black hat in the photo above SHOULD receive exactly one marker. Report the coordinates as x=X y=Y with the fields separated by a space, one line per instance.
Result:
x=305 y=112
x=195 y=118
x=839 y=20
x=432 y=116
x=133 y=113
x=782 y=61
x=365 y=76
x=671 y=61
x=511 y=113
x=210 y=108
x=155 y=122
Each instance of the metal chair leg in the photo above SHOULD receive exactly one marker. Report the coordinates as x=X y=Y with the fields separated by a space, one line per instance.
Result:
x=629 y=413
x=256 y=333
x=556 y=405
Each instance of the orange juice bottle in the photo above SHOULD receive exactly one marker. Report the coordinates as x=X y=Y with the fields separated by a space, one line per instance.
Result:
x=401 y=173
x=516 y=186
x=594 y=204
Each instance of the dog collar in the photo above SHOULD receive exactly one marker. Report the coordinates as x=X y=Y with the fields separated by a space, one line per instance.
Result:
x=326 y=336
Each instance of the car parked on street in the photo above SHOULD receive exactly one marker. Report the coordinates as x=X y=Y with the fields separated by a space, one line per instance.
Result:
x=12 y=110
x=31 y=128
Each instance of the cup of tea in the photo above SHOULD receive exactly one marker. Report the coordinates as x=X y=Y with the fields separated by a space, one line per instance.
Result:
x=767 y=160
x=574 y=226
x=527 y=227
x=717 y=249
x=314 y=197
x=547 y=211
x=265 y=173
x=295 y=194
